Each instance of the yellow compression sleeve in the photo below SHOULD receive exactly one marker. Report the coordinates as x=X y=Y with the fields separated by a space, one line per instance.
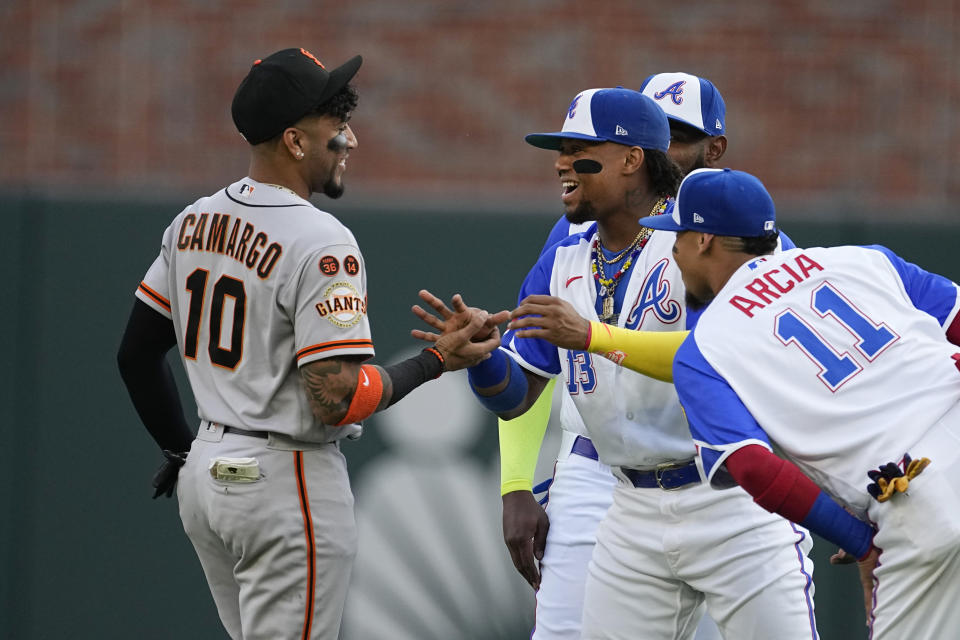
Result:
x=648 y=352
x=520 y=441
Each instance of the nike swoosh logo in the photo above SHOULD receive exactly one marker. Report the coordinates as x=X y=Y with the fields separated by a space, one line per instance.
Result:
x=572 y=279
x=366 y=380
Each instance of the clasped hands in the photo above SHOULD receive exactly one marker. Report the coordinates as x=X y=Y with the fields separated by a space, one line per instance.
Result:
x=538 y=316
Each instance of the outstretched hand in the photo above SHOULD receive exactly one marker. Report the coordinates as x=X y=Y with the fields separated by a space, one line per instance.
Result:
x=467 y=334
x=445 y=314
x=552 y=319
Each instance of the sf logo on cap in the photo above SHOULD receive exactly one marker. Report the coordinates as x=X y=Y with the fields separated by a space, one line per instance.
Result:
x=675 y=91
x=312 y=57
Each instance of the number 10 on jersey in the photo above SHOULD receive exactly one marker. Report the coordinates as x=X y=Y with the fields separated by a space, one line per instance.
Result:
x=225 y=287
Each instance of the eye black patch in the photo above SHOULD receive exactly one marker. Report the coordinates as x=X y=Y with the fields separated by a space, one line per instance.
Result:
x=337 y=143
x=587 y=166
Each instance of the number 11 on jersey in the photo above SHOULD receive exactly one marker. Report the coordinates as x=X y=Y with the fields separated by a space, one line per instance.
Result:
x=835 y=368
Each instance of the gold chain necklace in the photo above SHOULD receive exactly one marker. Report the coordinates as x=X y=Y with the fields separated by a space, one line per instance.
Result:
x=608 y=285
x=604 y=260
x=281 y=187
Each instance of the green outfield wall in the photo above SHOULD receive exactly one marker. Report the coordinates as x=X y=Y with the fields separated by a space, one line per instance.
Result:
x=86 y=553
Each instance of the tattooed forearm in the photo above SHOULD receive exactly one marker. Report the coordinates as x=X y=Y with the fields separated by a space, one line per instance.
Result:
x=329 y=385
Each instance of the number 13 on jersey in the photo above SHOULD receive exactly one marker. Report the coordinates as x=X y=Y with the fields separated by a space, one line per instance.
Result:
x=580 y=373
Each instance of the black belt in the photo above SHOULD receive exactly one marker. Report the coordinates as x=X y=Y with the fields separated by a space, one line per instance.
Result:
x=245 y=432
x=666 y=476
x=583 y=447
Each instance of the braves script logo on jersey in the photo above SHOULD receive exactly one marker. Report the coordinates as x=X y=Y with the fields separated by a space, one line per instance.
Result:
x=655 y=296
x=675 y=91
x=342 y=305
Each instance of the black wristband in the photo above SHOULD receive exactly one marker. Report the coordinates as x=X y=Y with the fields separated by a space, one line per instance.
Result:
x=411 y=373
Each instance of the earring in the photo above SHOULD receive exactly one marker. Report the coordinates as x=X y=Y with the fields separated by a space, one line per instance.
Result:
x=299 y=155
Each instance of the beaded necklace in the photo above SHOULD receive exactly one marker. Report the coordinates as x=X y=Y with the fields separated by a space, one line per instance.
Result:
x=598 y=262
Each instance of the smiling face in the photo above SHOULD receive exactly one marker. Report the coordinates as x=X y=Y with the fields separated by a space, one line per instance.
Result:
x=329 y=142
x=589 y=196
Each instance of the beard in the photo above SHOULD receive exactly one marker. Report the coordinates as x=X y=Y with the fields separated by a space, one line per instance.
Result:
x=694 y=303
x=700 y=162
x=583 y=213
x=332 y=188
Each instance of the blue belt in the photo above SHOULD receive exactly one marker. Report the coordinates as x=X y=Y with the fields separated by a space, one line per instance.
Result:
x=583 y=447
x=667 y=476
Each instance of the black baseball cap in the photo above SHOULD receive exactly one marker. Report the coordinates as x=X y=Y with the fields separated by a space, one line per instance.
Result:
x=284 y=87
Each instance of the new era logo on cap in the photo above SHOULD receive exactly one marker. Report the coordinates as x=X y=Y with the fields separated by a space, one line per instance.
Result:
x=697 y=218
x=616 y=115
x=688 y=99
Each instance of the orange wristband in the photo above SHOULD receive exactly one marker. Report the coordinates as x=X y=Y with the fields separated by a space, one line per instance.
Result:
x=366 y=397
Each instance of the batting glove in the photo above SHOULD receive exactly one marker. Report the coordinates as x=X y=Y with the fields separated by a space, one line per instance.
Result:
x=165 y=479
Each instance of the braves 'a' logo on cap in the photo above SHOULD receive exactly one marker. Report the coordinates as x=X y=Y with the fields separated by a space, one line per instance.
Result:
x=675 y=91
x=572 y=111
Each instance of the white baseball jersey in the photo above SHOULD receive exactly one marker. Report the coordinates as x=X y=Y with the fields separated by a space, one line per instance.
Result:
x=645 y=426
x=255 y=255
x=748 y=565
x=633 y=420
x=838 y=355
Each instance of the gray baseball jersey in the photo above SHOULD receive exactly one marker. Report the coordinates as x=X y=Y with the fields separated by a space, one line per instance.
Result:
x=257 y=255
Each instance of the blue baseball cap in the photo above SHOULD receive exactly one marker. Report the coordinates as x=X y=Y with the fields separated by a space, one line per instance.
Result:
x=688 y=99
x=723 y=202
x=616 y=115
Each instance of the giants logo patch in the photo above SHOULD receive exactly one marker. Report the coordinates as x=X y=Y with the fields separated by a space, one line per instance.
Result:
x=675 y=91
x=655 y=297
x=342 y=305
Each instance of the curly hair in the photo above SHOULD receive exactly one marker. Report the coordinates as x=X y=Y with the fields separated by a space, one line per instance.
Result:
x=664 y=174
x=340 y=104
